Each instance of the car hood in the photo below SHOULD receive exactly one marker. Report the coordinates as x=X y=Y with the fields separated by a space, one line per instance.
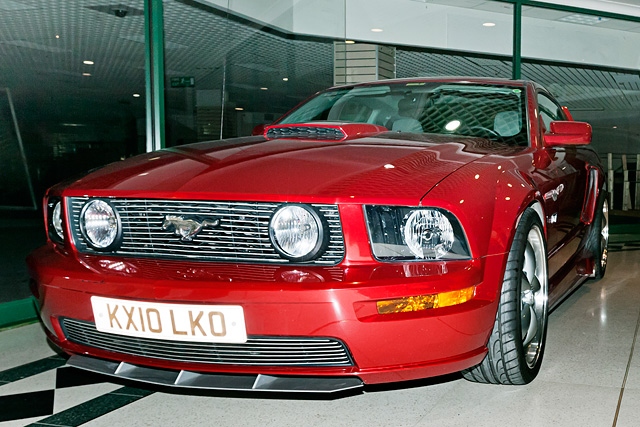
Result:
x=387 y=166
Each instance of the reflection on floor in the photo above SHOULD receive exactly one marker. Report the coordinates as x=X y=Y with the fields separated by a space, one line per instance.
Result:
x=590 y=377
x=18 y=237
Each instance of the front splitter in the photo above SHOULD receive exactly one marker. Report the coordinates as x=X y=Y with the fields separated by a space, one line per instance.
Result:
x=213 y=381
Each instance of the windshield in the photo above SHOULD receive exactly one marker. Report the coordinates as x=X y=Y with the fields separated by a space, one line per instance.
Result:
x=478 y=110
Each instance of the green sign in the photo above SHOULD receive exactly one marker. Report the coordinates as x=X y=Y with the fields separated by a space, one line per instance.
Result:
x=183 y=81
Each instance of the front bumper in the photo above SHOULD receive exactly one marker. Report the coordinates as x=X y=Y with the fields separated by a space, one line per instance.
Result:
x=338 y=303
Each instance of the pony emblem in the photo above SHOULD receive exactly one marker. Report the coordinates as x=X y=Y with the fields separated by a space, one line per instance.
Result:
x=555 y=193
x=188 y=228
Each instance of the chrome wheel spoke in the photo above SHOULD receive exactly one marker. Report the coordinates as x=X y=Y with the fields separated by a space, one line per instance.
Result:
x=529 y=267
x=532 y=330
x=535 y=285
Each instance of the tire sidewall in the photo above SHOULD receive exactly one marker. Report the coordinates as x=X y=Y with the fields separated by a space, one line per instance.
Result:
x=522 y=373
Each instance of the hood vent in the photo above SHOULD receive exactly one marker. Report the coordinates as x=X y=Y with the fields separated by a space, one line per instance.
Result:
x=322 y=131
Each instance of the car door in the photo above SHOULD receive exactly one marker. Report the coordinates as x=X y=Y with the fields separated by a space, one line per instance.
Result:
x=563 y=191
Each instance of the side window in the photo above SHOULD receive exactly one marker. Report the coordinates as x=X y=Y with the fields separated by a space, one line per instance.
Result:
x=548 y=110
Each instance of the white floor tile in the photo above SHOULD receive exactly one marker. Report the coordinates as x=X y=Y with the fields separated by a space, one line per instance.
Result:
x=43 y=381
x=22 y=345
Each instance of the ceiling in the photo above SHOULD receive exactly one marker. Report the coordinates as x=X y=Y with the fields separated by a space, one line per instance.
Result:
x=76 y=73
x=44 y=43
x=622 y=7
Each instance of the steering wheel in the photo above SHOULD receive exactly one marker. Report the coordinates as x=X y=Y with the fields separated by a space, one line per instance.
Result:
x=474 y=130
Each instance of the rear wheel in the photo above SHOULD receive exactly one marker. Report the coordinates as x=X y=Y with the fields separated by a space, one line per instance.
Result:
x=598 y=240
x=516 y=344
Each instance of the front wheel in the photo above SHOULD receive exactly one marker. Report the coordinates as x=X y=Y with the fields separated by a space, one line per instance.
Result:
x=516 y=344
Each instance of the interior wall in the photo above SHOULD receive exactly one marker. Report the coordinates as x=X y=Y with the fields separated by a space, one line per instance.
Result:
x=442 y=26
x=581 y=44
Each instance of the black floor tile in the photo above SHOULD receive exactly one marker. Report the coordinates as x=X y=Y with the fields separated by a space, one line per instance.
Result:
x=26 y=405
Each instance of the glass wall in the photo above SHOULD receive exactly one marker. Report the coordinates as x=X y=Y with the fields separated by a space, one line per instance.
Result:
x=71 y=98
x=73 y=70
x=238 y=72
x=594 y=72
x=238 y=64
x=72 y=74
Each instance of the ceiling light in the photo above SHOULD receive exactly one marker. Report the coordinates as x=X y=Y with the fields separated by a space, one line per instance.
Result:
x=583 y=19
x=136 y=95
x=376 y=30
x=87 y=62
x=239 y=109
x=57 y=36
x=86 y=74
x=349 y=41
x=285 y=79
x=453 y=125
x=489 y=24
x=264 y=88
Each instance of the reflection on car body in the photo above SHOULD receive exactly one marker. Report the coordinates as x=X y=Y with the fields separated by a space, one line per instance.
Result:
x=378 y=232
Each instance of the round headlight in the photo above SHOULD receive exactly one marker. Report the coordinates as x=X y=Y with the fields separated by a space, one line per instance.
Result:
x=428 y=234
x=99 y=224
x=56 y=219
x=297 y=232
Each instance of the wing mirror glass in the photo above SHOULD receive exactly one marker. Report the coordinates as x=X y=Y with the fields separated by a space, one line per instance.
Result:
x=568 y=133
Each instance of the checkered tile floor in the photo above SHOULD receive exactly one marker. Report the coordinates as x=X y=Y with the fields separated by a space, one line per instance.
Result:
x=61 y=396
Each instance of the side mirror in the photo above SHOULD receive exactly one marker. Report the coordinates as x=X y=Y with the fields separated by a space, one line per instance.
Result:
x=568 y=133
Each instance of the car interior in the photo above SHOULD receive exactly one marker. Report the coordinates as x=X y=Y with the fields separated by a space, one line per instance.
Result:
x=494 y=115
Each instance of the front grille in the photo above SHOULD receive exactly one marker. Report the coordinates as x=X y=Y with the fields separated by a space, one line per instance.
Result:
x=241 y=236
x=306 y=132
x=257 y=351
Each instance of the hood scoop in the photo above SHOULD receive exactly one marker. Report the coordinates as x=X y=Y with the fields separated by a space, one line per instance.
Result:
x=326 y=131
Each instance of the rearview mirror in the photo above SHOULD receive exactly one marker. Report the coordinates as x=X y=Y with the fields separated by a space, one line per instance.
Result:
x=568 y=133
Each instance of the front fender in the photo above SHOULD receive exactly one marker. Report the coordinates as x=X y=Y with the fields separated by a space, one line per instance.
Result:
x=487 y=198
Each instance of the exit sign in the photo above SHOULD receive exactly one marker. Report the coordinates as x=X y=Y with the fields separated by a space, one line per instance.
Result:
x=183 y=81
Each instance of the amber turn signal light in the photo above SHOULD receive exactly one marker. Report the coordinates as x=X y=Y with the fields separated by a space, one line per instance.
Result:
x=424 y=302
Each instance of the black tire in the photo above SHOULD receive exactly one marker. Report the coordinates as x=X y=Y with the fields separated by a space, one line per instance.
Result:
x=597 y=244
x=516 y=344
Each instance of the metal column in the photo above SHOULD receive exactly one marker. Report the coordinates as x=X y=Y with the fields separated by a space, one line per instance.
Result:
x=154 y=73
x=517 y=41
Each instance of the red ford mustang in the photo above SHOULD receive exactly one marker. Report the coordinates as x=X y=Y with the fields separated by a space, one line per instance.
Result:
x=378 y=232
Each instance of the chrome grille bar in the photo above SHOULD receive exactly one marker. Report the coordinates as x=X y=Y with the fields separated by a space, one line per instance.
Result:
x=257 y=351
x=242 y=235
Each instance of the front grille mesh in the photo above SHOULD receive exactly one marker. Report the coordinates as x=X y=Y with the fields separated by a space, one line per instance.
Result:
x=306 y=132
x=241 y=236
x=257 y=351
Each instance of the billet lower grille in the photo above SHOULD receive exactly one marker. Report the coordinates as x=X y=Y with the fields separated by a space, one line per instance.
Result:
x=309 y=132
x=242 y=234
x=257 y=351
